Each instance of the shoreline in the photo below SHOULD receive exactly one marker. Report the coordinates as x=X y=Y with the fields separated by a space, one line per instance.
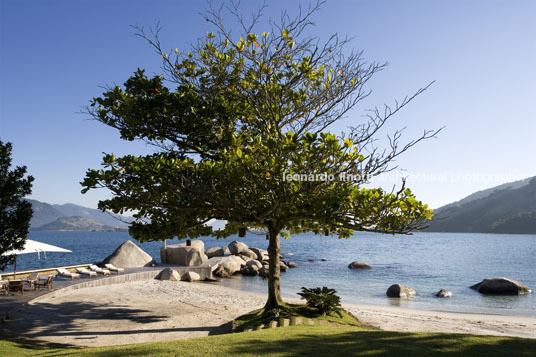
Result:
x=153 y=310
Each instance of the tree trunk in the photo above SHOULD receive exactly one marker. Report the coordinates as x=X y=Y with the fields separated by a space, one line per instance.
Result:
x=274 y=274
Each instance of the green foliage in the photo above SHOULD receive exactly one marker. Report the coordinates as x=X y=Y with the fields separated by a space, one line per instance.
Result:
x=323 y=299
x=232 y=118
x=15 y=212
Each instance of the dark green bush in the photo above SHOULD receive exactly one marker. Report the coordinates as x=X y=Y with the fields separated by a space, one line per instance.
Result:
x=323 y=299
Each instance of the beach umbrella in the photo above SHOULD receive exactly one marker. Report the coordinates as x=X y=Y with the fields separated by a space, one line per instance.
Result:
x=33 y=246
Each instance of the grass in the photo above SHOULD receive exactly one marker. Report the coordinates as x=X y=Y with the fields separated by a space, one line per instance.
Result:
x=257 y=318
x=301 y=340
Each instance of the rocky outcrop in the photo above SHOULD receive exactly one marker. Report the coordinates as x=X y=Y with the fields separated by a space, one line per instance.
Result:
x=191 y=276
x=443 y=293
x=168 y=274
x=283 y=266
x=359 y=265
x=501 y=286
x=400 y=291
x=184 y=255
x=129 y=255
x=260 y=253
x=215 y=252
x=254 y=263
x=249 y=253
x=227 y=266
x=263 y=272
x=236 y=247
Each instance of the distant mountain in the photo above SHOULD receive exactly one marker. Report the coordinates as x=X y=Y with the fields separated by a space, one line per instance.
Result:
x=74 y=223
x=509 y=208
x=45 y=213
x=485 y=193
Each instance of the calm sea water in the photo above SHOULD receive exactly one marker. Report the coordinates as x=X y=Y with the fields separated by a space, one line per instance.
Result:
x=425 y=261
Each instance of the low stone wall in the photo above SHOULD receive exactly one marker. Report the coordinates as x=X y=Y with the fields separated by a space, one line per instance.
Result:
x=204 y=272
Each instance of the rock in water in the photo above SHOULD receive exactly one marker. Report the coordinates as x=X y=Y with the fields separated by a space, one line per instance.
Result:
x=260 y=253
x=400 y=291
x=249 y=253
x=263 y=272
x=254 y=263
x=359 y=265
x=501 y=286
x=168 y=274
x=443 y=293
x=191 y=276
x=236 y=247
x=129 y=255
x=292 y=265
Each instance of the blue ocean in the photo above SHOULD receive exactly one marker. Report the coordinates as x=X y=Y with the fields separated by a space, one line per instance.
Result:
x=426 y=262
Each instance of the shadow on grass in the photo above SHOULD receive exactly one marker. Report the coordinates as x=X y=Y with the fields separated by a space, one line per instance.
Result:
x=385 y=343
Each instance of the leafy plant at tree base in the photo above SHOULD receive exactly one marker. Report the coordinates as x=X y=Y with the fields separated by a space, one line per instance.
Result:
x=233 y=118
x=323 y=299
x=15 y=212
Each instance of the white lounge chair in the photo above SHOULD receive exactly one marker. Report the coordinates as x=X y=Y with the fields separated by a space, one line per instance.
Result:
x=99 y=270
x=112 y=268
x=84 y=271
x=67 y=274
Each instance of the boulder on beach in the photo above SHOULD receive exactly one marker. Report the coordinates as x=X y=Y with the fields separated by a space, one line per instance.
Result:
x=168 y=274
x=129 y=255
x=359 y=265
x=191 y=276
x=501 y=286
x=227 y=266
x=184 y=255
x=236 y=247
x=400 y=291
x=443 y=293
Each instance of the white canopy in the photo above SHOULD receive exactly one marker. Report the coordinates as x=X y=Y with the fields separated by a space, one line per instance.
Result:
x=33 y=246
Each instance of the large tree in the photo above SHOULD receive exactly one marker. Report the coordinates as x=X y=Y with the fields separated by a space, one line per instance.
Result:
x=15 y=212
x=241 y=130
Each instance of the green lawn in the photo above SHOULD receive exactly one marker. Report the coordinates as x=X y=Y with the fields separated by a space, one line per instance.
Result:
x=302 y=341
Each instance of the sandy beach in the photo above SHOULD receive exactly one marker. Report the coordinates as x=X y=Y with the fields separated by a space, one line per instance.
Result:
x=152 y=310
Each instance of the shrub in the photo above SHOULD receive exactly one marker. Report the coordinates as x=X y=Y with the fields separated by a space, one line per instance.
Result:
x=323 y=299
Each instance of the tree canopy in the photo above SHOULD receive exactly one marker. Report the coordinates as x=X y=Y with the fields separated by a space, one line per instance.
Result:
x=15 y=212
x=241 y=126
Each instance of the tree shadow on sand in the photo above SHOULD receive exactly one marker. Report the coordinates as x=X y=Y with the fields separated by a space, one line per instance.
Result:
x=66 y=319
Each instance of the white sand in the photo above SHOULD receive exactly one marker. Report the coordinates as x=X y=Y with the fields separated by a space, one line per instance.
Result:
x=148 y=311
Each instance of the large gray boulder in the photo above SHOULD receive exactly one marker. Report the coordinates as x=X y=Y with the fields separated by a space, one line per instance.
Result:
x=359 y=265
x=249 y=253
x=168 y=274
x=254 y=263
x=215 y=252
x=180 y=254
x=129 y=255
x=191 y=276
x=227 y=266
x=168 y=255
x=236 y=247
x=501 y=286
x=400 y=291
x=260 y=253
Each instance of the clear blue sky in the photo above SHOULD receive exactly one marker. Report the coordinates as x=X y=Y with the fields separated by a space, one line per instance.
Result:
x=55 y=55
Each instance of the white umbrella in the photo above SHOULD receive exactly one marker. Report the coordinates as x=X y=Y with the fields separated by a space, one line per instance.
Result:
x=32 y=246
